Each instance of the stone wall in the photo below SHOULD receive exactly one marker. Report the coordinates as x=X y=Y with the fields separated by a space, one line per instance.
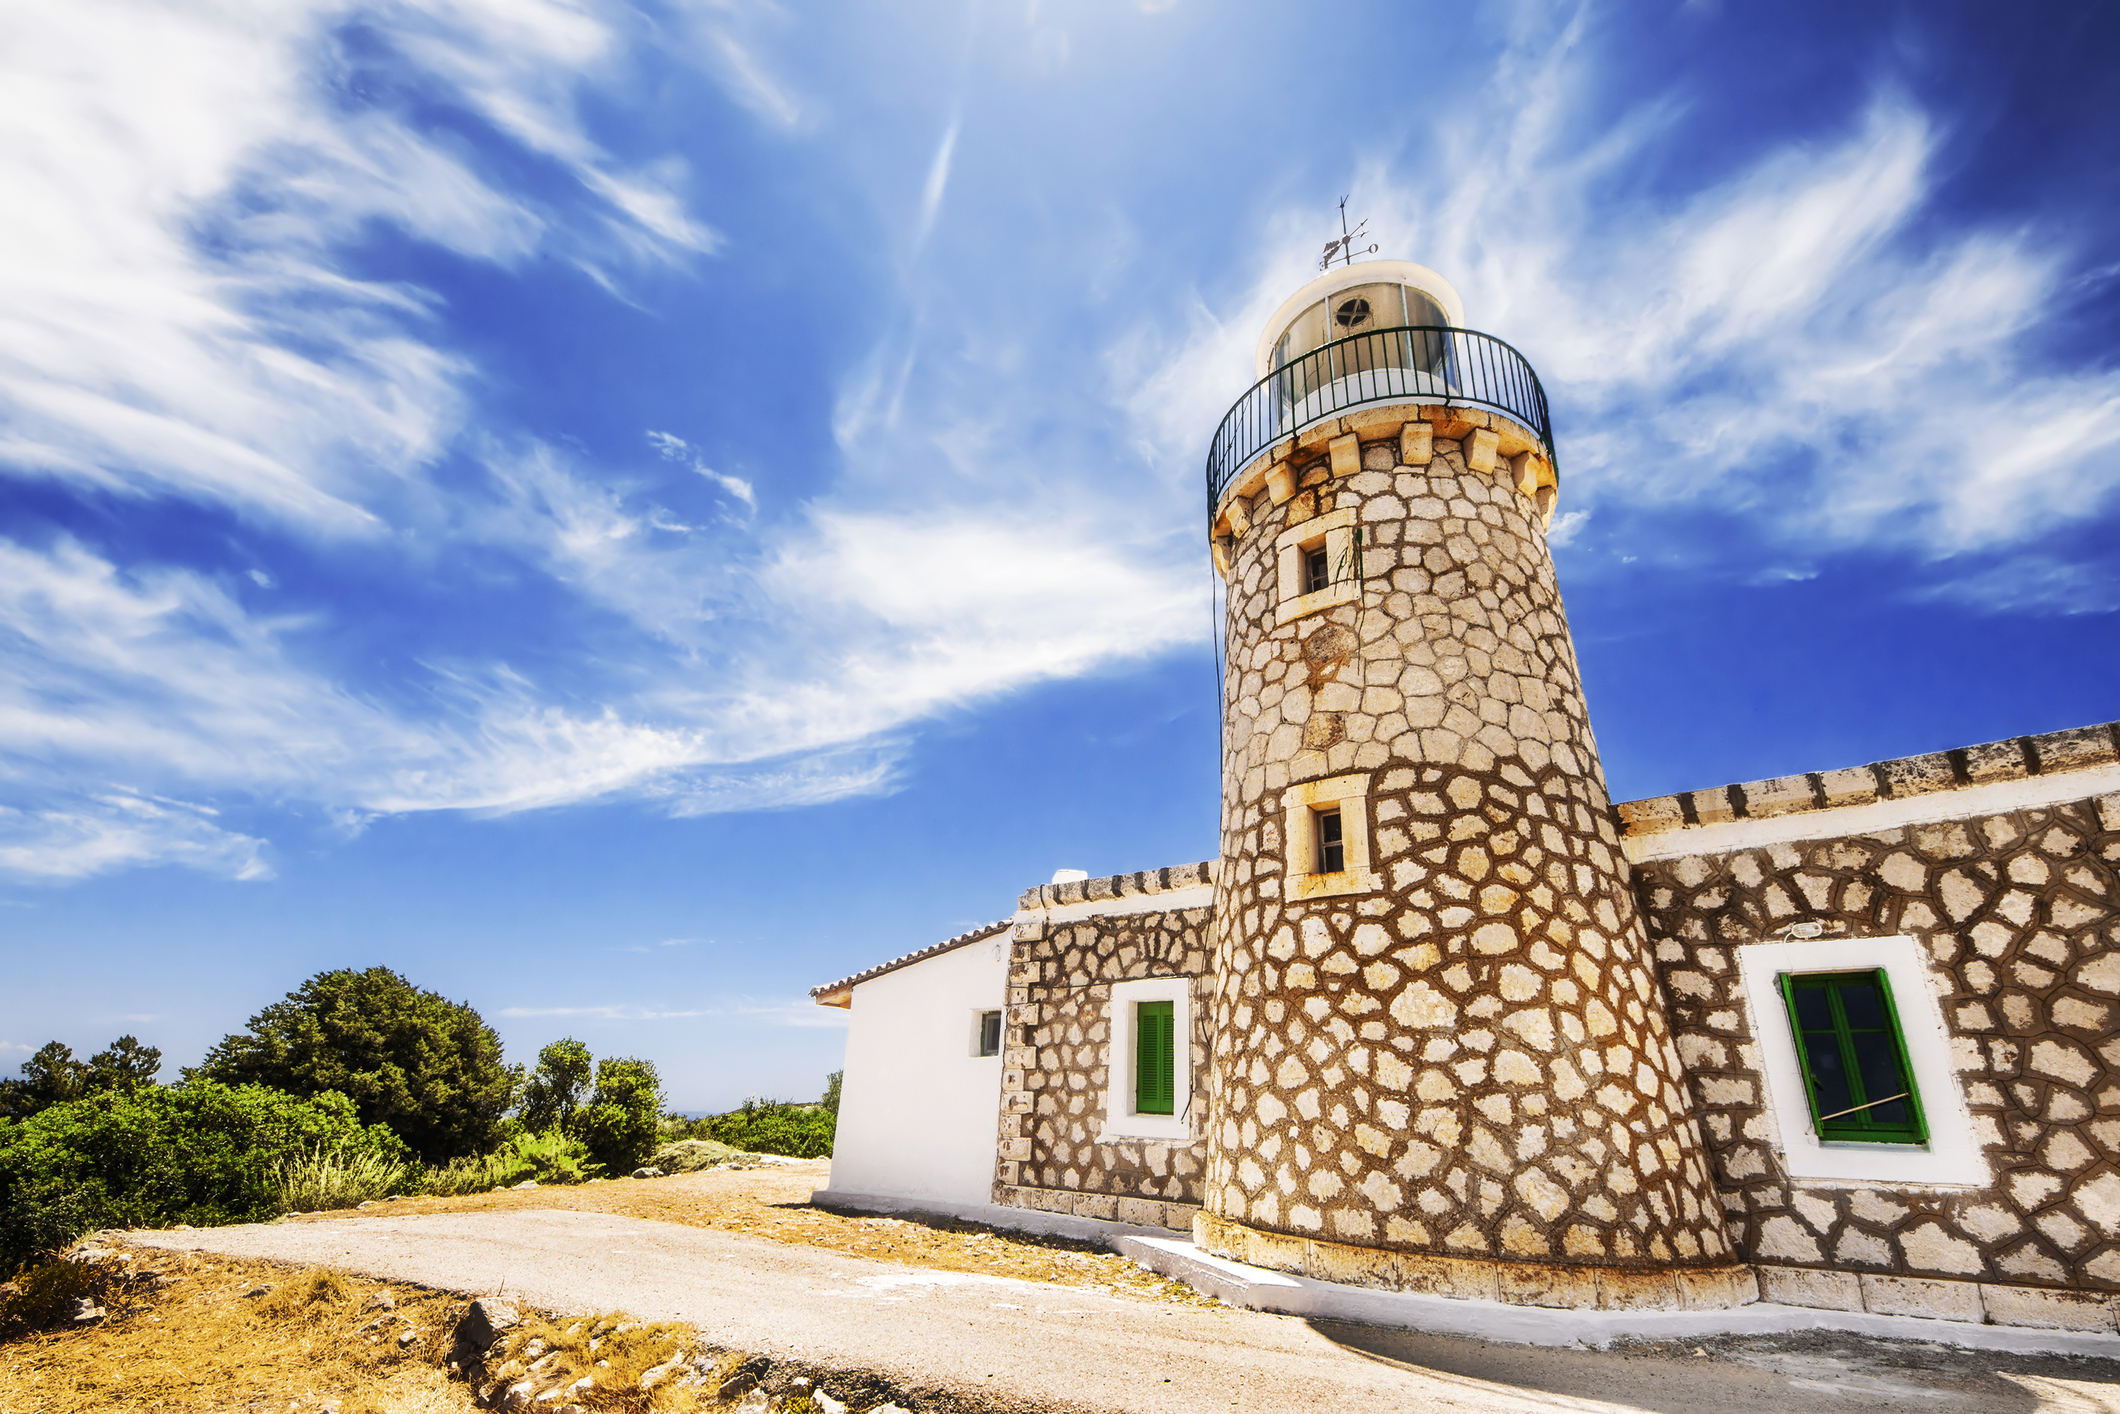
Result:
x=2016 y=910
x=1466 y=1056
x=1071 y=943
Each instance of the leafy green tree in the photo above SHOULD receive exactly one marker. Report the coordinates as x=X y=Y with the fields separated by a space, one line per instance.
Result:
x=830 y=1103
x=557 y=1087
x=201 y=1153
x=428 y=1067
x=619 y=1122
x=52 y=1076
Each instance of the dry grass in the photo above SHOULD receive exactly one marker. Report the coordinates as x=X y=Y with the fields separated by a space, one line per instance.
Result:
x=773 y=1202
x=220 y=1334
x=612 y=1354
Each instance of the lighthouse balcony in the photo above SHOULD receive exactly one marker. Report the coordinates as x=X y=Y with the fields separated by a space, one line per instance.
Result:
x=1425 y=364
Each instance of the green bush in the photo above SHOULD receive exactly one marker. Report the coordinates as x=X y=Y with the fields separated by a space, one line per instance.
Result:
x=202 y=1154
x=428 y=1067
x=773 y=1127
x=548 y=1158
x=619 y=1122
x=557 y=1087
x=692 y=1155
x=52 y=1076
x=323 y=1179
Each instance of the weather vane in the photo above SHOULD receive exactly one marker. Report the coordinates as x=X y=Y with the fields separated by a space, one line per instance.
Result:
x=1343 y=249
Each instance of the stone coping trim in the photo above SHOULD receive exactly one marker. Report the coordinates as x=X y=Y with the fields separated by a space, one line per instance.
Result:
x=1105 y=1207
x=1148 y=883
x=1942 y=1298
x=2017 y=773
x=841 y=993
x=1510 y=1283
x=995 y=1215
x=1238 y=1284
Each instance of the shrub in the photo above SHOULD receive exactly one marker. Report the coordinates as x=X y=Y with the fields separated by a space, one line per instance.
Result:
x=52 y=1076
x=44 y=1293
x=201 y=1154
x=323 y=1179
x=773 y=1127
x=619 y=1122
x=428 y=1067
x=557 y=1087
x=692 y=1155
x=548 y=1158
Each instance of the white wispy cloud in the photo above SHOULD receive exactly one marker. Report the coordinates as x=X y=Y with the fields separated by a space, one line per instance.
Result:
x=801 y=1012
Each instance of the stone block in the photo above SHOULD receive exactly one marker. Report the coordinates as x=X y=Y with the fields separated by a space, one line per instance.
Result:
x=1030 y=930
x=1454 y=1277
x=1005 y=1184
x=1619 y=1290
x=1523 y=473
x=1712 y=807
x=1717 y=1289
x=1803 y=1286
x=2047 y=1310
x=1548 y=498
x=1275 y=1251
x=1179 y=1217
x=1017 y=1149
x=1143 y=1212
x=2073 y=750
x=1918 y=775
x=1281 y=483
x=1850 y=785
x=1996 y=761
x=1346 y=455
x=1650 y=817
x=1375 y=423
x=1540 y=1284
x=1417 y=443
x=1779 y=795
x=1920 y=1296
x=1314 y=438
x=1479 y=450
x=1350 y=1265
x=1097 y=1205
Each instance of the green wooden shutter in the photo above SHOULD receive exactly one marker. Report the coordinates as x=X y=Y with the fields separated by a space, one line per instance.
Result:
x=1854 y=1058
x=1155 y=1058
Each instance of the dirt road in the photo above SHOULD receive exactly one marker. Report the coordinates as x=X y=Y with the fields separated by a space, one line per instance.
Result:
x=1022 y=1345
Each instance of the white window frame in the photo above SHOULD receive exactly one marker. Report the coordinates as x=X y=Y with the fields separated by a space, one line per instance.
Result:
x=1952 y=1157
x=1121 y=1121
x=979 y=1016
x=1333 y=532
x=1299 y=835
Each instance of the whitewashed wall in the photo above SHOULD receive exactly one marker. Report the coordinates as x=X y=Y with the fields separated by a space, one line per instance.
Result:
x=918 y=1108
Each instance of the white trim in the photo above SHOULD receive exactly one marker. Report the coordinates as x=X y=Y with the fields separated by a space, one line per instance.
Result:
x=1994 y=798
x=1952 y=1156
x=1169 y=901
x=1344 y=277
x=1120 y=1121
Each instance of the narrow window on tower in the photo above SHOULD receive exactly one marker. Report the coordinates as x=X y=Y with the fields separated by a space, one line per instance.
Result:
x=990 y=1033
x=1317 y=570
x=1155 y=1058
x=1854 y=1058
x=1332 y=848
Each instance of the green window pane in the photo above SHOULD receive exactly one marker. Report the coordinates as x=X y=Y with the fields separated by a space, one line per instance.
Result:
x=1856 y=1073
x=1155 y=1057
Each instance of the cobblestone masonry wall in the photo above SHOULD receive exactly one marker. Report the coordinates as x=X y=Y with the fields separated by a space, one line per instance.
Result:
x=1471 y=1059
x=2017 y=912
x=1057 y=1064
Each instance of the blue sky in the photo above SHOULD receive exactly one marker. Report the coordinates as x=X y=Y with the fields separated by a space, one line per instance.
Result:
x=625 y=513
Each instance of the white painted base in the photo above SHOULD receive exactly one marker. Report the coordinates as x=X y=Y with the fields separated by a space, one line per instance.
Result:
x=1262 y=1290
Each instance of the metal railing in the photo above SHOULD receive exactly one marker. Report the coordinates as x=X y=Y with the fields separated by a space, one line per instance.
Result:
x=1410 y=363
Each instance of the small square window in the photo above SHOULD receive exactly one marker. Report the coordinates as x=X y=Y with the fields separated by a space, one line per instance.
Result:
x=990 y=1033
x=1332 y=848
x=1854 y=1058
x=1317 y=570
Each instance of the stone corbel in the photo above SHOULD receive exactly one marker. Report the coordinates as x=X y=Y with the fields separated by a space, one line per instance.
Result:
x=1346 y=455
x=1417 y=443
x=1280 y=482
x=1480 y=449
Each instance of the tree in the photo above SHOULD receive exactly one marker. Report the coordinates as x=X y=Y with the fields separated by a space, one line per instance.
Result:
x=557 y=1087
x=618 y=1123
x=52 y=1076
x=830 y=1103
x=427 y=1067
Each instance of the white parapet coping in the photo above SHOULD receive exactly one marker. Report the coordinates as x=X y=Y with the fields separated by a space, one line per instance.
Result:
x=1169 y=901
x=1961 y=803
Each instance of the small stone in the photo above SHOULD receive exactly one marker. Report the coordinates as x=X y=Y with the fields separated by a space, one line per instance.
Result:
x=645 y=1172
x=85 y=1312
x=381 y=1301
x=527 y=1183
x=406 y=1338
x=825 y=1404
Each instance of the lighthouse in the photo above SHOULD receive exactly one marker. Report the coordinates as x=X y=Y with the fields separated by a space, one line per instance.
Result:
x=1439 y=1059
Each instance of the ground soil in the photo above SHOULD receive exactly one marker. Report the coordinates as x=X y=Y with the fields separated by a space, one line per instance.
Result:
x=231 y=1334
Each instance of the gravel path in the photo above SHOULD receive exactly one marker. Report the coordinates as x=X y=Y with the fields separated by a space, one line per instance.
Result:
x=1026 y=1346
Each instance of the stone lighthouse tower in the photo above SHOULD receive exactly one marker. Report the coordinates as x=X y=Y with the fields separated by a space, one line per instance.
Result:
x=1438 y=1055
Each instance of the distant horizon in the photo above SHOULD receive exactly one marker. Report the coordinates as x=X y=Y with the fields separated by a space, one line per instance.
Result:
x=624 y=513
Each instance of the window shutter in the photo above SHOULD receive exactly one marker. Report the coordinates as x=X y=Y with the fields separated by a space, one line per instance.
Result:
x=1155 y=1035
